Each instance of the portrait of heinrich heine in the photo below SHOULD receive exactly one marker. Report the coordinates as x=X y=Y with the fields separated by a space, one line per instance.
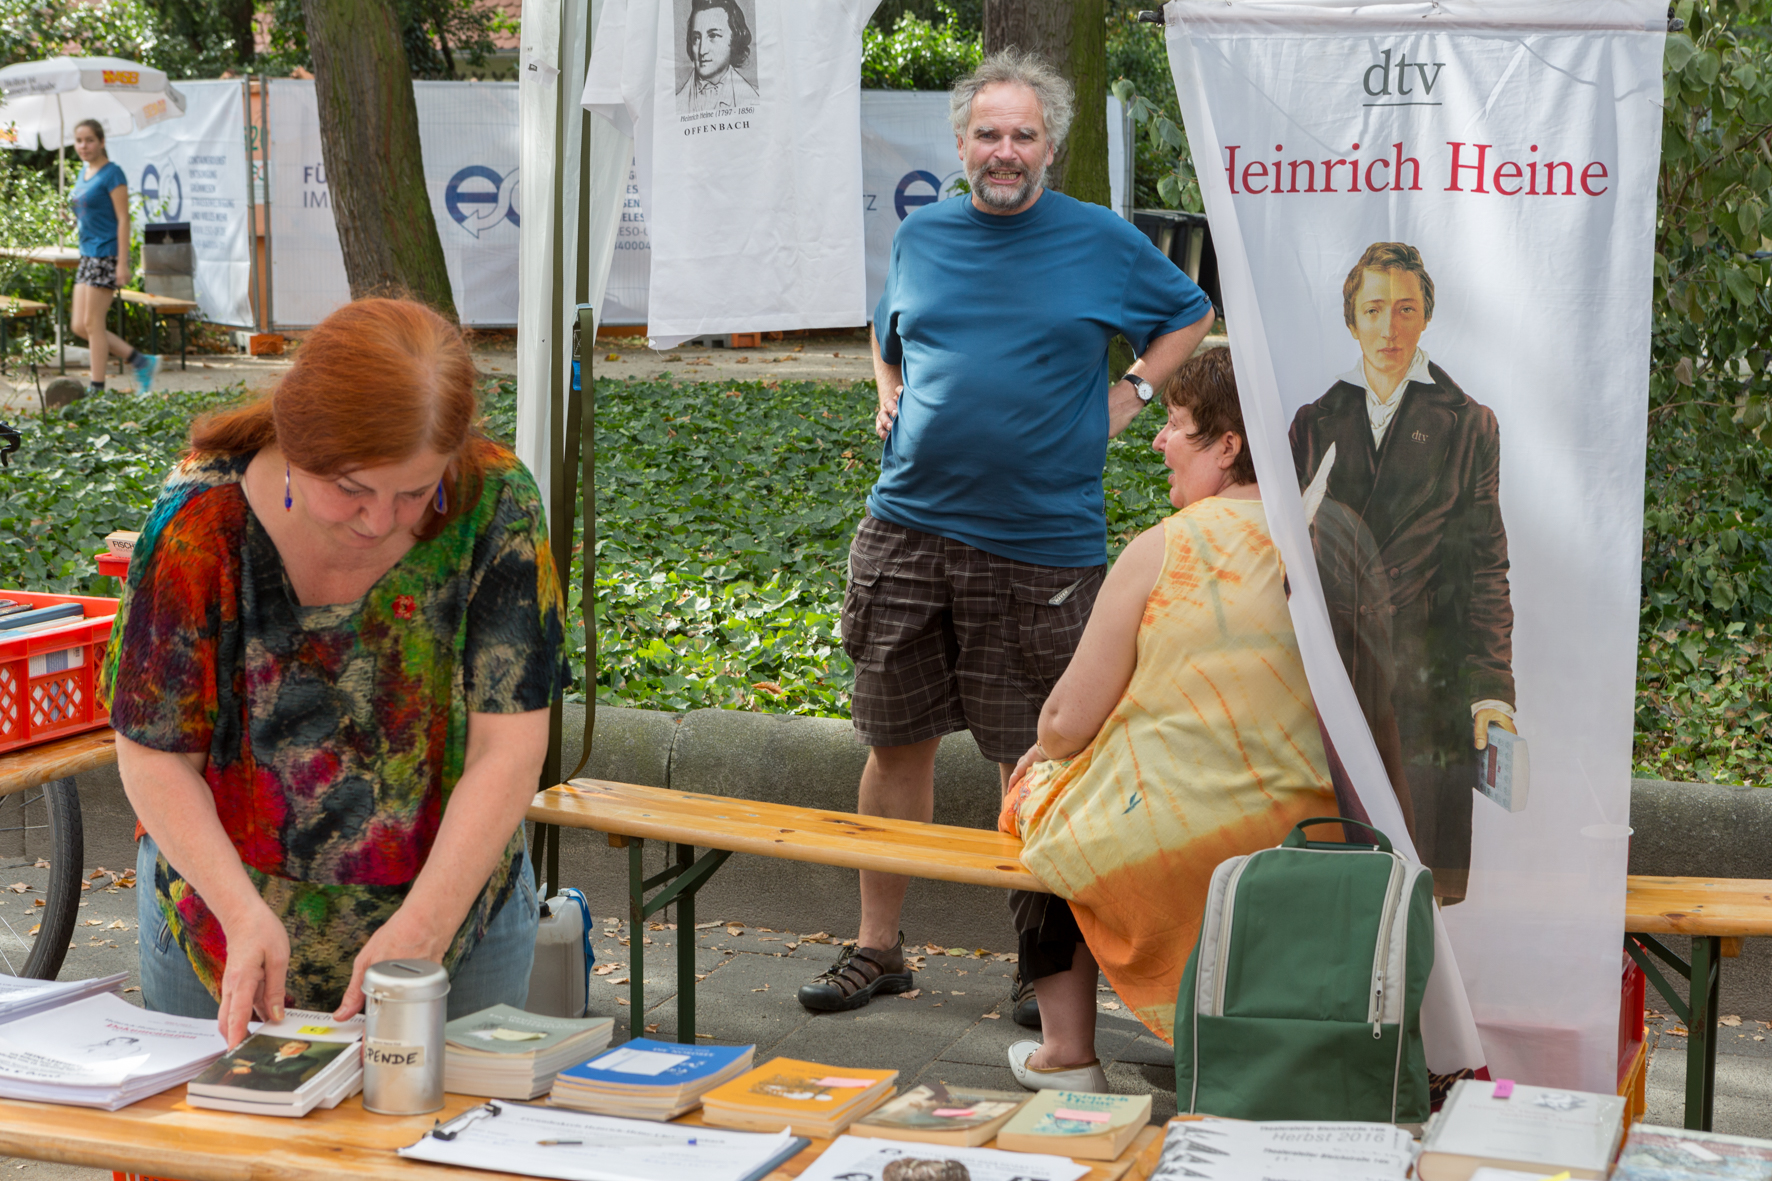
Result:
x=1397 y=446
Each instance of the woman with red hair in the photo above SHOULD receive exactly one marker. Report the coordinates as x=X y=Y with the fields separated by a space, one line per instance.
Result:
x=330 y=677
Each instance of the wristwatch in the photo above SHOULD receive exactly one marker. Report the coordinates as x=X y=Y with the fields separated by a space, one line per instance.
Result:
x=1142 y=387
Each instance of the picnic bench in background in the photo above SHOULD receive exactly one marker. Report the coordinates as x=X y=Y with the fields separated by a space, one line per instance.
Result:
x=12 y=308
x=156 y=307
x=1717 y=913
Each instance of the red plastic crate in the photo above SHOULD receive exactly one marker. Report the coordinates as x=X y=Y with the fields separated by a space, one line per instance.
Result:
x=48 y=678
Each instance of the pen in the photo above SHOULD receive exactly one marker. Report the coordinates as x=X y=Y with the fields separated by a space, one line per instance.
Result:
x=552 y=1143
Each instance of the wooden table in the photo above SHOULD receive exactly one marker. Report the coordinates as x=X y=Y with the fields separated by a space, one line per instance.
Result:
x=165 y=1137
x=21 y=770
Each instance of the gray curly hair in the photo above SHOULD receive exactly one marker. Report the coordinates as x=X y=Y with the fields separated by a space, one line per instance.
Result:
x=1057 y=99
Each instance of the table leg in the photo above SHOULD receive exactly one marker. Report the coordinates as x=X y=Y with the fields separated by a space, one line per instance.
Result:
x=61 y=341
x=184 y=338
x=1701 y=1050
x=686 y=952
x=636 y=938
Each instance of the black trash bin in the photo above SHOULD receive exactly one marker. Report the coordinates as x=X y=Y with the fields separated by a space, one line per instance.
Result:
x=1186 y=240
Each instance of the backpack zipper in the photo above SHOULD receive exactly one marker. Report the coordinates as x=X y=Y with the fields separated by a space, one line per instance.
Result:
x=1381 y=955
x=1229 y=911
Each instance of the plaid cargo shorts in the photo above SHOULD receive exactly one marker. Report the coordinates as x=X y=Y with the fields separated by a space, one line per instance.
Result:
x=947 y=637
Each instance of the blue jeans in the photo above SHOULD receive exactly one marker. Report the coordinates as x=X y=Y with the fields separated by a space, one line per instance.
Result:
x=495 y=972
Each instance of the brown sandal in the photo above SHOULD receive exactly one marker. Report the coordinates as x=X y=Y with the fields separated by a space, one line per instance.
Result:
x=858 y=974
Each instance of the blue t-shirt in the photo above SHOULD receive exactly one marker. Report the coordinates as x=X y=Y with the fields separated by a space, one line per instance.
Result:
x=94 y=212
x=1001 y=325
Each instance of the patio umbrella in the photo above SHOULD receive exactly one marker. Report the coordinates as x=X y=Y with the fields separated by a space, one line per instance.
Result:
x=41 y=102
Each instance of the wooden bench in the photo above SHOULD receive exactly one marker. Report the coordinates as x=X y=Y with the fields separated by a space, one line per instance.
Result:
x=158 y=306
x=12 y=308
x=163 y=1136
x=1717 y=913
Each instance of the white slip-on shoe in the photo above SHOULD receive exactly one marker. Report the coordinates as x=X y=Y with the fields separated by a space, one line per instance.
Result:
x=1090 y=1079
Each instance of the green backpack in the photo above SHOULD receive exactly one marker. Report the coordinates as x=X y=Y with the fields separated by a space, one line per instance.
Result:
x=1302 y=998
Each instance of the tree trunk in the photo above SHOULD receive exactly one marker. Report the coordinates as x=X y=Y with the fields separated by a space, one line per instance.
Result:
x=239 y=16
x=369 y=141
x=1072 y=35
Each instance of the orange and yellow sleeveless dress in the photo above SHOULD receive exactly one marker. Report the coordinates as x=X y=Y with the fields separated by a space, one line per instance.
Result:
x=1212 y=752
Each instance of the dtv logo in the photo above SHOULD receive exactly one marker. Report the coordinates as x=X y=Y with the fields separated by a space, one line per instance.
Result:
x=1384 y=77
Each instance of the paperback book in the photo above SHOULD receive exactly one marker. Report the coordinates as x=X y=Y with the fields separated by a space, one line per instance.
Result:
x=811 y=1098
x=1527 y=1129
x=1076 y=1124
x=935 y=1113
x=644 y=1079
x=286 y=1068
x=1683 y=1154
x=21 y=996
x=506 y=1053
x=1213 y=1149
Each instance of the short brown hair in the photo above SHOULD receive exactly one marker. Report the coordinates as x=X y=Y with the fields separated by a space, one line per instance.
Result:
x=1387 y=256
x=377 y=381
x=1206 y=387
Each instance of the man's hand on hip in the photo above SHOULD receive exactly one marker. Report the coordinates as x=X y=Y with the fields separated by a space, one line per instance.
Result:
x=888 y=411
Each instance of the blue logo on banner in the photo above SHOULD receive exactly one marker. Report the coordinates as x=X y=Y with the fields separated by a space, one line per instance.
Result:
x=935 y=189
x=164 y=197
x=479 y=198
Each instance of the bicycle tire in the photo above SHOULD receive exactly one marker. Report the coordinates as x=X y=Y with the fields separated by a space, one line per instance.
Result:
x=63 y=846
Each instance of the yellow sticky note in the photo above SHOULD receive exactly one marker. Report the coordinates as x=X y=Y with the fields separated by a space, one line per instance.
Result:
x=1563 y=1176
x=321 y=1030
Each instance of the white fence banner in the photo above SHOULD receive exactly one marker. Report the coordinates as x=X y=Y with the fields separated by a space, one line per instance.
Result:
x=907 y=159
x=468 y=133
x=1434 y=225
x=194 y=170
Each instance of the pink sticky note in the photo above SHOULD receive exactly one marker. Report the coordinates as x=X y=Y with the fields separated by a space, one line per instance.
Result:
x=1088 y=1117
x=1504 y=1088
x=846 y=1082
x=955 y=1112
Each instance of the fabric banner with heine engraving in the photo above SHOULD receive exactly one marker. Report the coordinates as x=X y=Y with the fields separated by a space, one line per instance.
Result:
x=1434 y=224
x=193 y=170
x=468 y=134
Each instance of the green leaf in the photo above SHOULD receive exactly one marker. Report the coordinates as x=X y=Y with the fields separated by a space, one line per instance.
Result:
x=1741 y=286
x=1679 y=51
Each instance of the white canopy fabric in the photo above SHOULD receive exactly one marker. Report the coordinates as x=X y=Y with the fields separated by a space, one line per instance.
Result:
x=40 y=102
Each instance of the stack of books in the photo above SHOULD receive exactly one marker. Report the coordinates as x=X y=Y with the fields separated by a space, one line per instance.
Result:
x=506 y=1053
x=645 y=1079
x=936 y=1113
x=102 y=1052
x=1214 y=1149
x=810 y=1098
x=22 y=996
x=1076 y=1124
x=287 y=1068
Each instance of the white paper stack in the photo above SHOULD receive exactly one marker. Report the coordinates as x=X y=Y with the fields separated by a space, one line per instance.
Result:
x=20 y=996
x=506 y=1053
x=1231 y=1150
x=287 y=1068
x=102 y=1052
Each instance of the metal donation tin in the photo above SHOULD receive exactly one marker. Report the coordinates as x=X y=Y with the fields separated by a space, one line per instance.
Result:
x=403 y=1036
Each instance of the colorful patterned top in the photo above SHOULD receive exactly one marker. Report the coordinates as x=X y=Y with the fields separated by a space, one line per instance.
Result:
x=1212 y=751
x=336 y=733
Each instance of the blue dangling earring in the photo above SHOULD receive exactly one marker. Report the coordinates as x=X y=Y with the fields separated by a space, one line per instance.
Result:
x=441 y=507
x=288 y=501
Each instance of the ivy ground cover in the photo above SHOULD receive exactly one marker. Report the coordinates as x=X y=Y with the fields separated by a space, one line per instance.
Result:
x=725 y=513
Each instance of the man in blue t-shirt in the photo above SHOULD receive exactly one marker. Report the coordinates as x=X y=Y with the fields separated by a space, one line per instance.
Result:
x=973 y=573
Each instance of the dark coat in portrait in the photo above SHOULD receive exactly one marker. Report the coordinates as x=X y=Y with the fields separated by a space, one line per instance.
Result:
x=1429 y=497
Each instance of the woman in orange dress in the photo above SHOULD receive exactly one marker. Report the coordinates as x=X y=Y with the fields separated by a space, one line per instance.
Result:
x=1181 y=734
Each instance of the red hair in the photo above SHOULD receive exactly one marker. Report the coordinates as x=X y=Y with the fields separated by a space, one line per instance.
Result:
x=376 y=382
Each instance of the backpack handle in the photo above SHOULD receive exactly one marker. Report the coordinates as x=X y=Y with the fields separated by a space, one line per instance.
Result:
x=1295 y=838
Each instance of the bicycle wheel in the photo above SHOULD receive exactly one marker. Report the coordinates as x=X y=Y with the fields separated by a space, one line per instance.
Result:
x=41 y=850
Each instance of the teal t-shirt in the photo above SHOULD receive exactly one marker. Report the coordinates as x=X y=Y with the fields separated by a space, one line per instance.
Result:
x=93 y=210
x=1001 y=325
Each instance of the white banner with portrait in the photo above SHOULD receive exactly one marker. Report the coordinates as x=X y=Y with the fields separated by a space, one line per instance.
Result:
x=193 y=169
x=468 y=134
x=1434 y=224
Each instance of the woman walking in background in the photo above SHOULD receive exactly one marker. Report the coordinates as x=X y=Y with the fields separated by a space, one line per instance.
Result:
x=101 y=209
